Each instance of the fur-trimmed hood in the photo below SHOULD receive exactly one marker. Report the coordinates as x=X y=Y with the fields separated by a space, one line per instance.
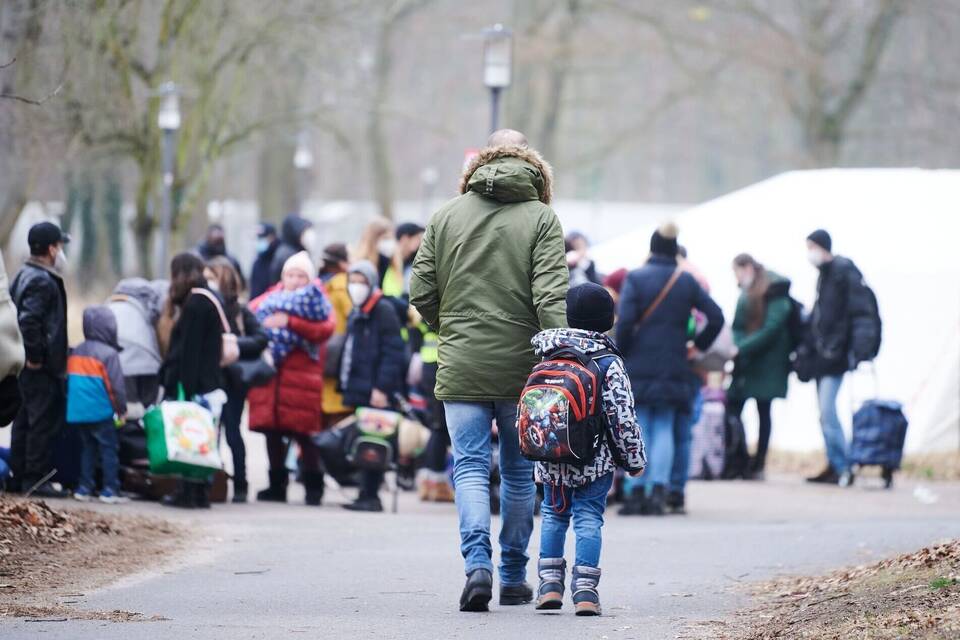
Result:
x=509 y=173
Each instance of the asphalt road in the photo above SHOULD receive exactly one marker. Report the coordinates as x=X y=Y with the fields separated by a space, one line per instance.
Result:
x=287 y=571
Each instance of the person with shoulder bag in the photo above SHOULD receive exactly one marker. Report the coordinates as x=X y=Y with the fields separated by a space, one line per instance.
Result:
x=195 y=356
x=652 y=334
x=251 y=368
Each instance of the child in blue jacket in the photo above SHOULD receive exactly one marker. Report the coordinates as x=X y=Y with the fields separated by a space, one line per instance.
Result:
x=96 y=399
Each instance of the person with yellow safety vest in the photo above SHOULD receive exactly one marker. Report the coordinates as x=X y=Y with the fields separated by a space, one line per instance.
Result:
x=395 y=282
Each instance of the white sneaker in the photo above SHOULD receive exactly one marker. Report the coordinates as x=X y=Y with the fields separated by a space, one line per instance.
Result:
x=109 y=498
x=82 y=497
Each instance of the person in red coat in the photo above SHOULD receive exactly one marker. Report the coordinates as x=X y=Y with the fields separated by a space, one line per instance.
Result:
x=288 y=408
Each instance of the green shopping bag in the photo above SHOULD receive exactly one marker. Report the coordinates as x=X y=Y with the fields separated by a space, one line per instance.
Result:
x=181 y=438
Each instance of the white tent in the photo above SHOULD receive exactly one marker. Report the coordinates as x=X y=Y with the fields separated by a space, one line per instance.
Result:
x=901 y=227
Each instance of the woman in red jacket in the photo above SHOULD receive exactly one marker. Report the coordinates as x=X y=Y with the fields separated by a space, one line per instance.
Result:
x=289 y=406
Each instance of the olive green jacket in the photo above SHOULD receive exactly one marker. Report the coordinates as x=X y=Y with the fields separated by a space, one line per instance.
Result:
x=490 y=274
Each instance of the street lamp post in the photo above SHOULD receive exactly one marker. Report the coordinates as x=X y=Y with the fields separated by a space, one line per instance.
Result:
x=168 y=119
x=303 y=163
x=497 y=65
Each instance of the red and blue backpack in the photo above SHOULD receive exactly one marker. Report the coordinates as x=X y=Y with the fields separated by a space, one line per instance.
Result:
x=560 y=416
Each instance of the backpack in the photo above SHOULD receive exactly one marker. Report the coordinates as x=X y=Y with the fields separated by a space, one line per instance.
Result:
x=866 y=328
x=797 y=324
x=560 y=416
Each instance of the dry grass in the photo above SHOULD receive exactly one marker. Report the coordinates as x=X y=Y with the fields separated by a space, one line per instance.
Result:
x=932 y=466
x=913 y=596
x=49 y=556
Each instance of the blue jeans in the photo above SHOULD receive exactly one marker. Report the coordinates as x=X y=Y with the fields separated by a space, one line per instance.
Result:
x=656 y=421
x=585 y=505
x=99 y=442
x=827 y=389
x=682 y=439
x=469 y=426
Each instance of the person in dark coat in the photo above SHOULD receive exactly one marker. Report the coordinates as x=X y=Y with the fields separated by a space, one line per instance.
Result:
x=372 y=367
x=41 y=301
x=761 y=334
x=267 y=243
x=193 y=355
x=841 y=296
x=296 y=235
x=251 y=340
x=654 y=340
x=214 y=245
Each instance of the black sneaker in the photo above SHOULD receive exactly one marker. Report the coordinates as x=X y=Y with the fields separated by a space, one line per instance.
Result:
x=372 y=505
x=515 y=595
x=50 y=490
x=477 y=592
x=827 y=476
x=676 y=503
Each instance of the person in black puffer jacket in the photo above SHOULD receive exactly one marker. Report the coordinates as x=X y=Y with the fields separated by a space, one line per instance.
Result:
x=842 y=297
x=657 y=357
x=372 y=365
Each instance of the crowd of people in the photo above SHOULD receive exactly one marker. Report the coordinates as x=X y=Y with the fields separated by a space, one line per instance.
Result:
x=449 y=319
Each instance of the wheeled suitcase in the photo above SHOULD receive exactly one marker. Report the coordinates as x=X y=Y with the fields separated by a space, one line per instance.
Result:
x=879 y=430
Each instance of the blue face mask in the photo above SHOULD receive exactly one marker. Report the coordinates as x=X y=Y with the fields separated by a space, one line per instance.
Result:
x=263 y=244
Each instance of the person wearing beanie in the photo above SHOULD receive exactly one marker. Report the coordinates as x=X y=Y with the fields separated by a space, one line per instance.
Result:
x=372 y=364
x=838 y=344
x=579 y=493
x=652 y=334
x=590 y=307
x=298 y=318
x=663 y=242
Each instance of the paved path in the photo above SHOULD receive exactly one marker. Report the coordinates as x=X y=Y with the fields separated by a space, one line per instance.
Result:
x=288 y=571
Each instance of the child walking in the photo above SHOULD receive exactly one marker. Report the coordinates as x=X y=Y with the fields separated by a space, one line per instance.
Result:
x=96 y=399
x=579 y=493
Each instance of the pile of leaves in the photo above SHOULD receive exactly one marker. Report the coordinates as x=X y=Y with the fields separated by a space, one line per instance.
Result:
x=916 y=595
x=35 y=522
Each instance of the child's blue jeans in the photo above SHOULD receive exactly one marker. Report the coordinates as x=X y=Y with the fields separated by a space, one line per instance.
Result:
x=585 y=505
x=99 y=443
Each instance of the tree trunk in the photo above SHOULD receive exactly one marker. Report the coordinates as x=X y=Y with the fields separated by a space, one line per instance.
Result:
x=143 y=227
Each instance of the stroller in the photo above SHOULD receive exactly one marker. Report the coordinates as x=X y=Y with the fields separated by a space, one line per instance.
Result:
x=373 y=439
x=137 y=305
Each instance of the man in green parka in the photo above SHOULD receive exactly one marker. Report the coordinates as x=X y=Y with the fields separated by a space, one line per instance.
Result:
x=491 y=273
x=761 y=333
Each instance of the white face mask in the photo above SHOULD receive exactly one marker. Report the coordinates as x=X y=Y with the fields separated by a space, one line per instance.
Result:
x=60 y=262
x=359 y=293
x=213 y=285
x=746 y=283
x=815 y=256
x=387 y=247
x=308 y=239
x=262 y=244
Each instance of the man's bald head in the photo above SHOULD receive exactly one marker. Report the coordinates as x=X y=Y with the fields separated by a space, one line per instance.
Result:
x=507 y=137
